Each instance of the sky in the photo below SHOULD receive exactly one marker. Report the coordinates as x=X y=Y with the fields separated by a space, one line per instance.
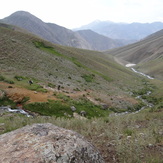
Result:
x=75 y=13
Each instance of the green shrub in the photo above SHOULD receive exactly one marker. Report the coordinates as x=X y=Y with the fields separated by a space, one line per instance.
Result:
x=9 y=81
x=19 y=78
x=128 y=132
x=2 y=78
x=88 y=77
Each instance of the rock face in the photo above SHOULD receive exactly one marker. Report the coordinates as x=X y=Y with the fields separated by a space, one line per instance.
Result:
x=46 y=143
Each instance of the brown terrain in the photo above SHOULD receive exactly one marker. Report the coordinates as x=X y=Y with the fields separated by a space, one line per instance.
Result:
x=17 y=93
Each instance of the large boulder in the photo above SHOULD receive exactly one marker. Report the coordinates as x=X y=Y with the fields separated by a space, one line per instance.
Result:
x=41 y=143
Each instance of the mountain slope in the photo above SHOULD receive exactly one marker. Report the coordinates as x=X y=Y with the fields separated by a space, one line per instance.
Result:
x=99 y=42
x=50 y=32
x=23 y=54
x=133 y=31
x=60 y=35
x=147 y=54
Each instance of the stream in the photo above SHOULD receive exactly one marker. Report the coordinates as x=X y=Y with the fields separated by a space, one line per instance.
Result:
x=147 y=104
x=9 y=109
x=131 y=66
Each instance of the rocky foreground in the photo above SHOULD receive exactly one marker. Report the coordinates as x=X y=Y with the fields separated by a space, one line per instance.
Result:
x=46 y=143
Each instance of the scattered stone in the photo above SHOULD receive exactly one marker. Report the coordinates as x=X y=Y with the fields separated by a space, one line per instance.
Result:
x=142 y=134
x=77 y=116
x=94 y=122
x=150 y=145
x=47 y=143
x=128 y=137
x=83 y=113
x=104 y=106
x=137 y=126
x=73 y=108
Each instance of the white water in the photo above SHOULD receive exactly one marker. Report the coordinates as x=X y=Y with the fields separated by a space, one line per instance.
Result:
x=8 y=109
x=131 y=65
x=149 y=77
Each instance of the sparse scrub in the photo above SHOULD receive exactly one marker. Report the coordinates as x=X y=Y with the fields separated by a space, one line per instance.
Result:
x=128 y=138
x=51 y=85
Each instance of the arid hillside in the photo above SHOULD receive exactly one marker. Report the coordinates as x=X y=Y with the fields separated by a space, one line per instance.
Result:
x=147 y=54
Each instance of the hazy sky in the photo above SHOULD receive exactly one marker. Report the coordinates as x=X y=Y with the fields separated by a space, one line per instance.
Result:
x=74 y=13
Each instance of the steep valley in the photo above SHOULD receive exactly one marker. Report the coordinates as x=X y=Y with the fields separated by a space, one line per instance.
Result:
x=81 y=90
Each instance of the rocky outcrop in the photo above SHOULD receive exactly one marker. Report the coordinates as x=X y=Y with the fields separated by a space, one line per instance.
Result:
x=41 y=143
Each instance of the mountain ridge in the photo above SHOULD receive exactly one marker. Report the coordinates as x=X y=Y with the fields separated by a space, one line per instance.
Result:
x=55 y=33
x=127 y=31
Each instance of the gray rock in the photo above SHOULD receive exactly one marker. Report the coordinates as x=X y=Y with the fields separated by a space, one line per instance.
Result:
x=73 y=108
x=46 y=143
x=83 y=113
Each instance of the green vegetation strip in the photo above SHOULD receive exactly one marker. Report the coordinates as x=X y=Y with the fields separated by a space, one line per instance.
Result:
x=63 y=108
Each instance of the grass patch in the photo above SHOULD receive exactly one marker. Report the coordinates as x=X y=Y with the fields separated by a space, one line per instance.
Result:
x=20 y=78
x=63 y=108
x=91 y=110
x=2 y=78
x=34 y=87
x=50 y=108
x=88 y=77
x=5 y=101
x=37 y=87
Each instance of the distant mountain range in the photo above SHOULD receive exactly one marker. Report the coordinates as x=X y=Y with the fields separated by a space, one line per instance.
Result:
x=60 y=35
x=99 y=35
x=133 y=31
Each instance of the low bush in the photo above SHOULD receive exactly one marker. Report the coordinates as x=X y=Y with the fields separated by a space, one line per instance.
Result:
x=88 y=77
